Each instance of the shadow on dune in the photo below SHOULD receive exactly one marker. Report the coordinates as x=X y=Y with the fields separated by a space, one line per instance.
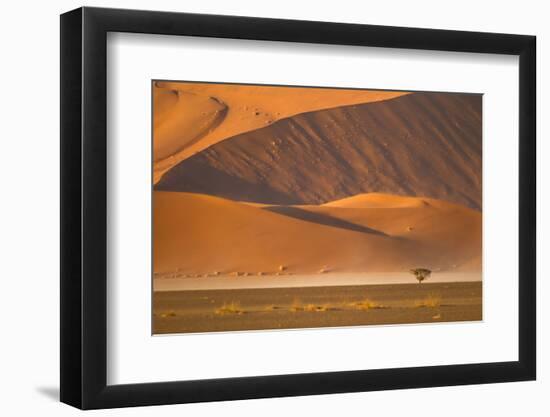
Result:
x=201 y=177
x=323 y=219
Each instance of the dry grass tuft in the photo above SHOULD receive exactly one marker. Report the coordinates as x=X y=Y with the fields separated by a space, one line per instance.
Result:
x=432 y=300
x=297 y=305
x=366 y=304
x=230 y=308
x=315 y=307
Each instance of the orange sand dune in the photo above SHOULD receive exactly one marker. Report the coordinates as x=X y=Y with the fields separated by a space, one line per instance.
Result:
x=449 y=229
x=173 y=132
x=419 y=144
x=379 y=200
x=189 y=117
x=200 y=234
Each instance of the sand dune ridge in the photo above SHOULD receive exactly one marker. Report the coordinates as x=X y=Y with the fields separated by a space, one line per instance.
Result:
x=200 y=234
x=420 y=144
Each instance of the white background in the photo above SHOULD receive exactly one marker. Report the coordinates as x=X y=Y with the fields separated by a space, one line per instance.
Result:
x=29 y=213
x=134 y=356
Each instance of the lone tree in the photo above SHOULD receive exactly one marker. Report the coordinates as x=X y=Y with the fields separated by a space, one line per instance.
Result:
x=421 y=274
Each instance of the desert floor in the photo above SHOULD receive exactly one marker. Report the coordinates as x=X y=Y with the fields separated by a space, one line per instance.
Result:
x=313 y=307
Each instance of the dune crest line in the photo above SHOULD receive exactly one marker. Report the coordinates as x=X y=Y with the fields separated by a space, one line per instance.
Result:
x=419 y=144
x=189 y=128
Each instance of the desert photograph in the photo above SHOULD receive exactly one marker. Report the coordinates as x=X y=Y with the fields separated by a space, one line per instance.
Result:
x=282 y=207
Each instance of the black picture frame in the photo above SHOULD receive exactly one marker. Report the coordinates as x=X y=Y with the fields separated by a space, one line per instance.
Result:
x=84 y=207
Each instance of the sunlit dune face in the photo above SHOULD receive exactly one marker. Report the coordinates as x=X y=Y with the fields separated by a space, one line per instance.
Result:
x=181 y=118
x=189 y=117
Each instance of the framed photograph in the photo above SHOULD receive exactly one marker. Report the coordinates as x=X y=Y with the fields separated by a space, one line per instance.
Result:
x=256 y=208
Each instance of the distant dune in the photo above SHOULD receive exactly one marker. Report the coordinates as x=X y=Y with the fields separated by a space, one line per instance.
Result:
x=419 y=144
x=379 y=200
x=189 y=117
x=200 y=234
